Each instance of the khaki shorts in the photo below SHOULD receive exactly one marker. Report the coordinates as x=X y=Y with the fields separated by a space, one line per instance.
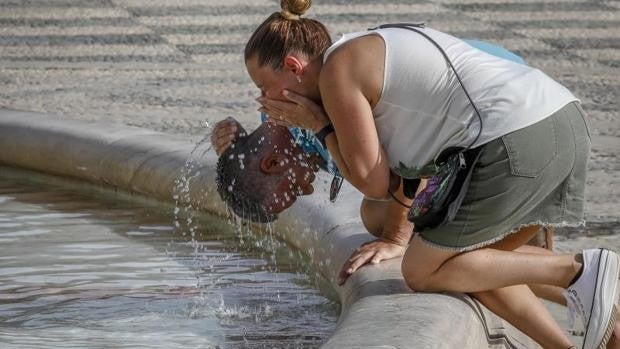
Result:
x=535 y=175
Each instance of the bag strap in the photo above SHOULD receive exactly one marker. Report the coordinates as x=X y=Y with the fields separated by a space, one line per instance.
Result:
x=414 y=27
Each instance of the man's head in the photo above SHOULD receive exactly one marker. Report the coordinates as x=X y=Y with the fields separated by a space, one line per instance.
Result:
x=261 y=174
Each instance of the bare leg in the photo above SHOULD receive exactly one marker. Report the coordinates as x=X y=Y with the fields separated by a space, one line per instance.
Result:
x=497 y=276
x=426 y=268
x=520 y=307
x=373 y=214
x=614 y=341
x=551 y=293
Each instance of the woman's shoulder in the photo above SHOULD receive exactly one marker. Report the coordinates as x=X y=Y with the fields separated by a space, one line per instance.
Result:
x=359 y=62
x=361 y=46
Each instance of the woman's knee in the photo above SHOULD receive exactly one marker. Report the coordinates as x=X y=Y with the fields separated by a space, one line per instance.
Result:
x=373 y=215
x=421 y=264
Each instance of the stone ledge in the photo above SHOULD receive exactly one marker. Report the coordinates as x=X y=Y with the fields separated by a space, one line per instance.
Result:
x=378 y=309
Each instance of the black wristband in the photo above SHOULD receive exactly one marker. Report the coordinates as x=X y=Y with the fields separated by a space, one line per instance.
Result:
x=329 y=128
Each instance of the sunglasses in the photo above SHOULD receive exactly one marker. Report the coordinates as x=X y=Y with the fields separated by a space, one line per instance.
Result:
x=334 y=188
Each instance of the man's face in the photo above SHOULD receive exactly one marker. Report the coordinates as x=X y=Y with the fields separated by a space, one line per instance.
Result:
x=294 y=168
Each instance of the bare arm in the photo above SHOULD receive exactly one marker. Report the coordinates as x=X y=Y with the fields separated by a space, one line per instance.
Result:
x=391 y=243
x=394 y=230
x=355 y=145
x=303 y=112
x=350 y=83
x=397 y=228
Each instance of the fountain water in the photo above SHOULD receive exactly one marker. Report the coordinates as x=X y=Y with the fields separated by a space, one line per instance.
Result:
x=80 y=271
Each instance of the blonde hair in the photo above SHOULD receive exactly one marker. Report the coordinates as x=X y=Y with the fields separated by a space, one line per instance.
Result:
x=285 y=32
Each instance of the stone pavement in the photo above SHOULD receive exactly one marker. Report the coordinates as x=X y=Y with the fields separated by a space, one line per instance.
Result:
x=171 y=65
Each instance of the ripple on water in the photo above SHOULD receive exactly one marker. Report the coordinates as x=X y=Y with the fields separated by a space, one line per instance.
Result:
x=87 y=247
x=7 y=271
x=4 y=199
x=5 y=224
x=24 y=233
x=140 y=233
x=82 y=257
x=156 y=227
x=51 y=216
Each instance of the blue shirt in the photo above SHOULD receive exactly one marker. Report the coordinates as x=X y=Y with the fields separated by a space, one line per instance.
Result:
x=308 y=142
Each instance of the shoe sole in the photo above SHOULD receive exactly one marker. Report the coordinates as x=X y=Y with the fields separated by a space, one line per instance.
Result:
x=608 y=263
x=610 y=328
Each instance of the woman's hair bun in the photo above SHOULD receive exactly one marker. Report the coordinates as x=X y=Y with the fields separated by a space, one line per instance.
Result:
x=295 y=7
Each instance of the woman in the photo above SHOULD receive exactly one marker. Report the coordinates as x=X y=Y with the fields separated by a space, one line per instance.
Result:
x=386 y=104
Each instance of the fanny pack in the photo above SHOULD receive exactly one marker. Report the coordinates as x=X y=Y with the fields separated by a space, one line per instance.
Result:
x=443 y=195
x=444 y=192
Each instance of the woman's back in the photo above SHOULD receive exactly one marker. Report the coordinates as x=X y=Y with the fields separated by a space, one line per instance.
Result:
x=422 y=108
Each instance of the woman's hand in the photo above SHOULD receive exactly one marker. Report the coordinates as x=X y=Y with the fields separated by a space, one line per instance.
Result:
x=371 y=252
x=297 y=111
x=224 y=133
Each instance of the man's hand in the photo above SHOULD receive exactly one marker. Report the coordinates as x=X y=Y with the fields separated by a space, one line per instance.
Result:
x=224 y=133
x=371 y=252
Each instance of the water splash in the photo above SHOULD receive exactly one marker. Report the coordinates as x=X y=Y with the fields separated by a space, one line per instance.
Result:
x=185 y=220
x=262 y=242
x=186 y=226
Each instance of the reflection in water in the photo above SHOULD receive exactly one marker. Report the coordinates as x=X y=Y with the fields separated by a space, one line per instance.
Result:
x=91 y=269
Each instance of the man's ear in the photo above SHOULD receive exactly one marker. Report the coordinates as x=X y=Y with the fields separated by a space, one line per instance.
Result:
x=273 y=163
x=295 y=64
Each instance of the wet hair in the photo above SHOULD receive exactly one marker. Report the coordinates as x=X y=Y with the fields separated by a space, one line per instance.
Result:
x=285 y=32
x=242 y=190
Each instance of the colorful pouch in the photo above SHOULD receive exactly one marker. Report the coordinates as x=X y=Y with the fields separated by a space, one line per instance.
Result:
x=444 y=192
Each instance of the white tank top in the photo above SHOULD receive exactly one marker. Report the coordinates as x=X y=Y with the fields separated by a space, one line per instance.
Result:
x=423 y=109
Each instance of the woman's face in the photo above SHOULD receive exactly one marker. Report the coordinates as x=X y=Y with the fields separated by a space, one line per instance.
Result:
x=271 y=82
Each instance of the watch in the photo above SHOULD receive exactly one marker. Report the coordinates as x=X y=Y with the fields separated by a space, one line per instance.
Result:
x=329 y=128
